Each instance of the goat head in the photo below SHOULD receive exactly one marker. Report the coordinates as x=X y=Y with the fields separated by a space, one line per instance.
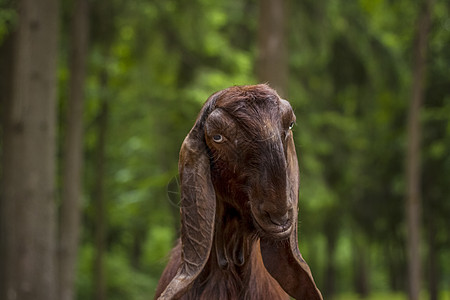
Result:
x=240 y=154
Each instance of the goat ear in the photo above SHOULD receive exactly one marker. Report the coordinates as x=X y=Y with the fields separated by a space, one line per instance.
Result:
x=283 y=260
x=198 y=206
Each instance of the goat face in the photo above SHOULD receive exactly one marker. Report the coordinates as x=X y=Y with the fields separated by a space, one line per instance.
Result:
x=241 y=151
x=248 y=140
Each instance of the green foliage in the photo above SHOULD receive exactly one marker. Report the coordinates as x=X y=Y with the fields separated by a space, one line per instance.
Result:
x=161 y=60
x=393 y=296
x=123 y=281
x=156 y=62
x=350 y=70
x=350 y=81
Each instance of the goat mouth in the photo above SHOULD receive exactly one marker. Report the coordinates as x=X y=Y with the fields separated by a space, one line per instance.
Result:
x=279 y=235
x=272 y=231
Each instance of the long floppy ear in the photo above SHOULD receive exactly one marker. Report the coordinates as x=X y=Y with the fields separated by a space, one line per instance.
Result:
x=283 y=260
x=198 y=206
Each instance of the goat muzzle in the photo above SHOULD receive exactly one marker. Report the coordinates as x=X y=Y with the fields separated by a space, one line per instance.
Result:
x=273 y=225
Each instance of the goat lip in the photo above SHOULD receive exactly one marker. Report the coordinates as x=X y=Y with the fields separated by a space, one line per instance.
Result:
x=268 y=229
x=276 y=235
x=273 y=231
x=280 y=235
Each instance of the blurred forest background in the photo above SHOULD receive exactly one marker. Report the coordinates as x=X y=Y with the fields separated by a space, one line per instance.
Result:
x=97 y=96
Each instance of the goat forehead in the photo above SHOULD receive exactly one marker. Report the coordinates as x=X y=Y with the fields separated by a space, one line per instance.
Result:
x=261 y=119
x=266 y=128
x=269 y=130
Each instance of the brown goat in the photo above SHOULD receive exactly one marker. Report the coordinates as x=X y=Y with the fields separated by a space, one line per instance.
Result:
x=239 y=190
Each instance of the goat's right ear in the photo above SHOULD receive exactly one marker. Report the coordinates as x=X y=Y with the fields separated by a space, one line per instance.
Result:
x=283 y=260
x=198 y=206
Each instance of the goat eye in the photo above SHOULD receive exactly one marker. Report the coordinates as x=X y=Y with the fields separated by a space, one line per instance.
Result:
x=217 y=138
x=291 y=125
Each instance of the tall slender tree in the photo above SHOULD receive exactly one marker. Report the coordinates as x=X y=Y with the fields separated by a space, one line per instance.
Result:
x=100 y=223
x=73 y=148
x=272 y=64
x=6 y=55
x=413 y=170
x=28 y=184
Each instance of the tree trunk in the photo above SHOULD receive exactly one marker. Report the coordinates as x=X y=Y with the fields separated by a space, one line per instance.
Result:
x=433 y=277
x=330 y=269
x=272 y=64
x=6 y=57
x=28 y=185
x=413 y=205
x=396 y=266
x=73 y=154
x=99 y=198
x=361 y=269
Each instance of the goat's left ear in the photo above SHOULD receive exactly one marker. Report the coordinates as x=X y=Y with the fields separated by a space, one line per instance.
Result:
x=283 y=260
x=198 y=206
